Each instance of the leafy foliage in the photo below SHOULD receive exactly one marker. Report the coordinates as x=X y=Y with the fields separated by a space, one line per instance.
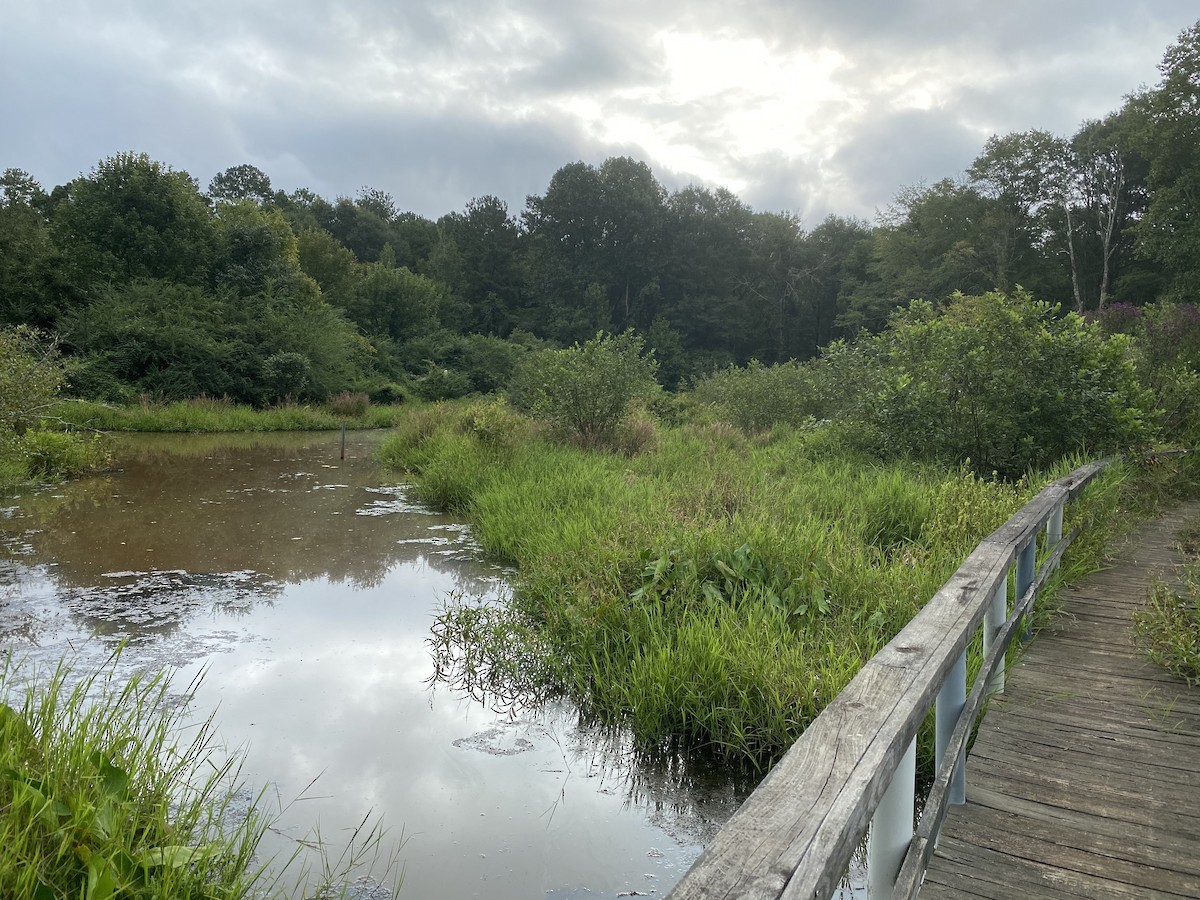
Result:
x=586 y=390
x=1006 y=382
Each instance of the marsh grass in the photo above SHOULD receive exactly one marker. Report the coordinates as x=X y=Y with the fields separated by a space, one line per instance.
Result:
x=206 y=414
x=101 y=802
x=712 y=594
x=108 y=792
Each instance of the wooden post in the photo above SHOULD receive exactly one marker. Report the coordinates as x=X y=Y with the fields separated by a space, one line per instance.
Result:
x=892 y=828
x=950 y=702
x=1054 y=527
x=1026 y=566
x=994 y=619
x=343 y=440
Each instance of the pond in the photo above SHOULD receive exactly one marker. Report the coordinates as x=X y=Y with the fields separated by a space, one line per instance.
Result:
x=305 y=586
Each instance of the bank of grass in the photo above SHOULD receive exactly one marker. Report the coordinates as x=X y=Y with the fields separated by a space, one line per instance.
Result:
x=220 y=415
x=713 y=592
x=106 y=793
x=98 y=801
x=42 y=454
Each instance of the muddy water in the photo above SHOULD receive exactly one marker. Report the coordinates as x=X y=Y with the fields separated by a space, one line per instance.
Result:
x=306 y=586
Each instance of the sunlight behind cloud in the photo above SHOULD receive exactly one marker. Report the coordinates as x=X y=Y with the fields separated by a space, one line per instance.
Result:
x=734 y=96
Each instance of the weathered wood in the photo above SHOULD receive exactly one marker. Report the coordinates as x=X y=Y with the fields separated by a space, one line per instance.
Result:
x=1083 y=780
x=908 y=881
x=795 y=835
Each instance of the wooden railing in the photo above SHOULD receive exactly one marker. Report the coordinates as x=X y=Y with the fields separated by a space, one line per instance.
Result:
x=855 y=764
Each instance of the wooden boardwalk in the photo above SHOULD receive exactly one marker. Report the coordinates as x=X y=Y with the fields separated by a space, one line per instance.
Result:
x=1084 y=780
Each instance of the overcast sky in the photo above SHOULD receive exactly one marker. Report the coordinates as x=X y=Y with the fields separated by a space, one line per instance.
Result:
x=803 y=106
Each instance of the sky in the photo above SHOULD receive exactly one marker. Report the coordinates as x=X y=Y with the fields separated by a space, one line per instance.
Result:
x=809 y=107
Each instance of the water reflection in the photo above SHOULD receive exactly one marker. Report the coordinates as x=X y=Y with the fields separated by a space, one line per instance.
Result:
x=307 y=586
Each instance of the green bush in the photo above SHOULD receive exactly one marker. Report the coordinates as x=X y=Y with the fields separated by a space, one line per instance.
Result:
x=758 y=397
x=586 y=390
x=1003 y=381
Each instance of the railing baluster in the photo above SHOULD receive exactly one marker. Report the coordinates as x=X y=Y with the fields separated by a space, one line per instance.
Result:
x=892 y=828
x=1054 y=527
x=997 y=615
x=950 y=702
x=1026 y=567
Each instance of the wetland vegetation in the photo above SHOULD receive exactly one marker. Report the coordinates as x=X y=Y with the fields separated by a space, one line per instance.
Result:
x=727 y=456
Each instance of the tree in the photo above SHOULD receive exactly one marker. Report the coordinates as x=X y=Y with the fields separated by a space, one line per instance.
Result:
x=28 y=261
x=253 y=246
x=134 y=218
x=1111 y=179
x=1170 y=231
x=244 y=182
x=599 y=228
x=1030 y=176
x=707 y=263
x=932 y=242
x=484 y=267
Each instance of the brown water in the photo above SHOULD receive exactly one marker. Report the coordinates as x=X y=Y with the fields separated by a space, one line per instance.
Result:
x=306 y=586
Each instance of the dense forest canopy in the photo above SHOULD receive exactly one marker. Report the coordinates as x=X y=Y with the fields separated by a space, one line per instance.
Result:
x=156 y=286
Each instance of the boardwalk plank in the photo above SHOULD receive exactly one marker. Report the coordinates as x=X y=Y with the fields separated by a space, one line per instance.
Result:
x=1084 y=778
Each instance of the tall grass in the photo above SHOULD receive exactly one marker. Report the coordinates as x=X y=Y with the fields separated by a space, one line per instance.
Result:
x=103 y=797
x=99 y=801
x=714 y=593
x=211 y=415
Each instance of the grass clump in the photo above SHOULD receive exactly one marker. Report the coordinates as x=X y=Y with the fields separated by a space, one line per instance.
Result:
x=100 y=802
x=103 y=797
x=1168 y=628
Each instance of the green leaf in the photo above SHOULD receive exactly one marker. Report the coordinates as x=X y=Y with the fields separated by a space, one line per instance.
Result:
x=175 y=856
x=101 y=885
x=114 y=779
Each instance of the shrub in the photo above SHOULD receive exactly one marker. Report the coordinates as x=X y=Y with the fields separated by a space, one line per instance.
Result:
x=350 y=404
x=586 y=390
x=757 y=397
x=1003 y=381
x=286 y=375
x=442 y=384
x=30 y=378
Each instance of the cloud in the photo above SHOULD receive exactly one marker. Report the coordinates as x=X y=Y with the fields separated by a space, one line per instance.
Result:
x=814 y=108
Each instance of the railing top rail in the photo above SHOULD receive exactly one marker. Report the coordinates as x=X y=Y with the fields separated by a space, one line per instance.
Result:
x=795 y=835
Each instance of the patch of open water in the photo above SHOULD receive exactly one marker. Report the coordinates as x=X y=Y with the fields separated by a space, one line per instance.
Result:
x=305 y=586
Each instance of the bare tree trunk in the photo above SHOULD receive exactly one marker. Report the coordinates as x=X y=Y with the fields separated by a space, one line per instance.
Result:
x=1108 y=215
x=1071 y=253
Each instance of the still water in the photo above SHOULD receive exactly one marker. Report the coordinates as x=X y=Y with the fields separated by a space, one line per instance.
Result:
x=305 y=586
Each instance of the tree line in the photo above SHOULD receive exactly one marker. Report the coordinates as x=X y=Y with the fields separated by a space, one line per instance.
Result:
x=156 y=286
